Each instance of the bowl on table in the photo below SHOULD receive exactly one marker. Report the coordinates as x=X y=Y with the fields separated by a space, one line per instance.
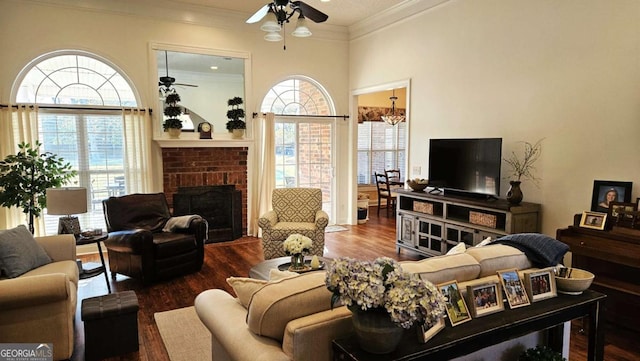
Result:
x=418 y=185
x=573 y=280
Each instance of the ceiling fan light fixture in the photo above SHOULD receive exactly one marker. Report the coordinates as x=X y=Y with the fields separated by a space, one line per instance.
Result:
x=302 y=30
x=271 y=23
x=273 y=36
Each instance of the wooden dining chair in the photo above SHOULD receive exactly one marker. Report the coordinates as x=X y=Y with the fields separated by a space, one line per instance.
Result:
x=385 y=192
x=393 y=175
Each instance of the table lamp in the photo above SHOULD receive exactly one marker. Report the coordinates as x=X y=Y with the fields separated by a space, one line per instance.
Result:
x=67 y=201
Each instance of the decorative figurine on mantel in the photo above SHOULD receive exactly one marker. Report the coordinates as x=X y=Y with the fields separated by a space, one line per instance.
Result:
x=236 y=124
x=522 y=168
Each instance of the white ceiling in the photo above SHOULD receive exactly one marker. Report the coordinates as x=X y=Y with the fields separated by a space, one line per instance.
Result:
x=341 y=12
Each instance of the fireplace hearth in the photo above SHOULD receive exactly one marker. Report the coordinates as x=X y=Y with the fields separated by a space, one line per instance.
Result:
x=220 y=205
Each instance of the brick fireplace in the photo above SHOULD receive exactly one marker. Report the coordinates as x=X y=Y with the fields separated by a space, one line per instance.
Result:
x=192 y=167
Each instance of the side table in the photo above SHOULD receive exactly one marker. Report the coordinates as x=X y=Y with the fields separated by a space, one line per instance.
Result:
x=102 y=269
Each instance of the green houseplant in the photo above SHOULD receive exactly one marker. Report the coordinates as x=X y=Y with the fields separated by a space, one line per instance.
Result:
x=25 y=177
x=541 y=353
x=235 y=116
x=172 y=110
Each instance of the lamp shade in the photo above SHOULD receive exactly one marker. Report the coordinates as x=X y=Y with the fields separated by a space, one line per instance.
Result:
x=273 y=36
x=271 y=23
x=66 y=201
x=302 y=30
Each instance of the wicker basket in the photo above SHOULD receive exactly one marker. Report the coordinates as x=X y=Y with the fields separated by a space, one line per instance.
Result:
x=423 y=207
x=483 y=219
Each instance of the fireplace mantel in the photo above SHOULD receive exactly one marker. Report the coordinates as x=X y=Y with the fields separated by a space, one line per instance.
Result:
x=191 y=140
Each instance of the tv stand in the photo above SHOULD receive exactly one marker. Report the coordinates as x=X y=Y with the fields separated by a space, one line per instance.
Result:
x=436 y=190
x=432 y=224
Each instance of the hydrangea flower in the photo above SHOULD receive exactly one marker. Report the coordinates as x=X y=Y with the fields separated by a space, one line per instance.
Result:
x=382 y=283
x=297 y=243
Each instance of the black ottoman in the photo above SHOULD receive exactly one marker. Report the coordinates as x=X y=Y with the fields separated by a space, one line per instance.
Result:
x=110 y=325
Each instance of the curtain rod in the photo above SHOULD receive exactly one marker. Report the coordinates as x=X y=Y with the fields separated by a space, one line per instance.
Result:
x=344 y=117
x=77 y=108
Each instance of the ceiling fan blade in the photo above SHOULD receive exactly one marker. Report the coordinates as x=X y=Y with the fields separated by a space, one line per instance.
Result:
x=259 y=14
x=310 y=12
x=182 y=84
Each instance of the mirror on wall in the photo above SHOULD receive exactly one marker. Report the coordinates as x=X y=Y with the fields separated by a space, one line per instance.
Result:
x=205 y=80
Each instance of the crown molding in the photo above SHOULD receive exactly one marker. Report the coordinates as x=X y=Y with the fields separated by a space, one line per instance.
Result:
x=192 y=14
x=394 y=14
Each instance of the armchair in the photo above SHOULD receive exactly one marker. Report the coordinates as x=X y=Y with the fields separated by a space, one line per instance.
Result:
x=295 y=210
x=138 y=247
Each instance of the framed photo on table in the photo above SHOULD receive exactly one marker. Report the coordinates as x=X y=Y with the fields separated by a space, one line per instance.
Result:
x=605 y=192
x=485 y=299
x=426 y=332
x=540 y=284
x=593 y=220
x=457 y=310
x=513 y=288
x=621 y=211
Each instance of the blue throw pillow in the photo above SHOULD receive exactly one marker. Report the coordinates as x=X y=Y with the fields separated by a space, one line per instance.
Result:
x=19 y=252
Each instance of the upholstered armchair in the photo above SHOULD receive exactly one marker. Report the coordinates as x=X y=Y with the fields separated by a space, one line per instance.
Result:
x=137 y=245
x=295 y=210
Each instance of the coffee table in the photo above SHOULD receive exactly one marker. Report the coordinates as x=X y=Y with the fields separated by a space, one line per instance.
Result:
x=262 y=269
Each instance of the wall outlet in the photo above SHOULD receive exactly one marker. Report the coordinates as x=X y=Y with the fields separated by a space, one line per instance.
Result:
x=416 y=170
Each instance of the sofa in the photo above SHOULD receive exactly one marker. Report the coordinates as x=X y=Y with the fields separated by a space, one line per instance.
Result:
x=39 y=306
x=142 y=245
x=291 y=318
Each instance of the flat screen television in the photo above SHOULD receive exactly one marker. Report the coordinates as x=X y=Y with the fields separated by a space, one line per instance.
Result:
x=469 y=166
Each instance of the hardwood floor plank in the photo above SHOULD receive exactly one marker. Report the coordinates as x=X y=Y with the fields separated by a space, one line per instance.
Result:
x=222 y=260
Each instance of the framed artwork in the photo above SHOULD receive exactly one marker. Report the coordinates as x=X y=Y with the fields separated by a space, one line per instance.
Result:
x=513 y=288
x=456 y=307
x=426 y=332
x=540 y=284
x=593 y=220
x=485 y=299
x=605 y=192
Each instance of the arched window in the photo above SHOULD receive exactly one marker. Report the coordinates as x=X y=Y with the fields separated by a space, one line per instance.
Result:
x=80 y=118
x=303 y=139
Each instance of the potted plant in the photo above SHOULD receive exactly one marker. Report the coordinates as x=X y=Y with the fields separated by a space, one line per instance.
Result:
x=522 y=168
x=541 y=353
x=383 y=298
x=236 y=124
x=172 y=110
x=25 y=177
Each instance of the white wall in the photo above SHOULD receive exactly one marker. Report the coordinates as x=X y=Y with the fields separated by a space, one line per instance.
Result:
x=567 y=71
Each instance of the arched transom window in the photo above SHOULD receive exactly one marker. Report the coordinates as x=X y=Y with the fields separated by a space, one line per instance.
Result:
x=298 y=96
x=74 y=79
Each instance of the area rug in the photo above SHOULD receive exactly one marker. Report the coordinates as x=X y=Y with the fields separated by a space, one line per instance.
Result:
x=184 y=336
x=330 y=229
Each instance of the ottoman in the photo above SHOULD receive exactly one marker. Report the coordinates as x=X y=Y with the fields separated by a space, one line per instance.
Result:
x=110 y=325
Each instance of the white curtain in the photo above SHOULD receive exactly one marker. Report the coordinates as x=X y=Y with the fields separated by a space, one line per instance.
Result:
x=17 y=124
x=265 y=178
x=138 y=158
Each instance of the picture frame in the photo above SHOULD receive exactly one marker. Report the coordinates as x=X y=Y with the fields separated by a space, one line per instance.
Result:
x=593 y=220
x=617 y=207
x=457 y=310
x=426 y=332
x=513 y=288
x=605 y=192
x=540 y=284
x=485 y=299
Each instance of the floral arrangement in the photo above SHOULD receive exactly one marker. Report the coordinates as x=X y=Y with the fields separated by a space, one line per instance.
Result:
x=523 y=167
x=382 y=284
x=297 y=243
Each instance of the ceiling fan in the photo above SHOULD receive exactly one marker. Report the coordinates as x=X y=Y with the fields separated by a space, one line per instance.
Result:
x=279 y=8
x=168 y=81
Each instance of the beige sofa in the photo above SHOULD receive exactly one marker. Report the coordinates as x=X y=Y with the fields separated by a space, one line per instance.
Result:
x=39 y=306
x=290 y=319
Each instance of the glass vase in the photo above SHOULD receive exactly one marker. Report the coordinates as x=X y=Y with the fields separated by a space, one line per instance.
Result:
x=297 y=262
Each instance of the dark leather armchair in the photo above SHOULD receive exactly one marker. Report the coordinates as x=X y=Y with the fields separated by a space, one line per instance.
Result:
x=137 y=246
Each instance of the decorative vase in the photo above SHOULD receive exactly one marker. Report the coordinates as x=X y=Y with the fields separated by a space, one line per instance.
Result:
x=237 y=133
x=514 y=194
x=174 y=133
x=297 y=263
x=375 y=331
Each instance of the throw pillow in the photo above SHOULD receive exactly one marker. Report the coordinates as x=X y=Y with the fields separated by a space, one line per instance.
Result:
x=246 y=287
x=458 y=248
x=19 y=252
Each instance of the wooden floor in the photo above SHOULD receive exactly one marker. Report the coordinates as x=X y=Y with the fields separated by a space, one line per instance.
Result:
x=222 y=260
